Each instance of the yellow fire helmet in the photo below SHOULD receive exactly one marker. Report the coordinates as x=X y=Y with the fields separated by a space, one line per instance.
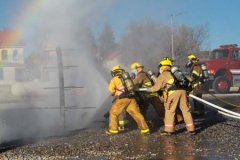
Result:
x=165 y=62
x=168 y=59
x=116 y=70
x=191 y=56
x=136 y=65
x=117 y=67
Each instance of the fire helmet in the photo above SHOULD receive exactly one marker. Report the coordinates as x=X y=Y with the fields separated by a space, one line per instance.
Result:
x=169 y=59
x=117 y=67
x=191 y=60
x=116 y=70
x=165 y=62
x=192 y=57
x=136 y=65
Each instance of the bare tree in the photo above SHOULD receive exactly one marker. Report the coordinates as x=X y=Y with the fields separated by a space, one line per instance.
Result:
x=145 y=42
x=148 y=42
x=188 y=40
x=107 y=44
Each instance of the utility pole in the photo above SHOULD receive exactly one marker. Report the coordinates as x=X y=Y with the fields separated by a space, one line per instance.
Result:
x=172 y=34
x=172 y=46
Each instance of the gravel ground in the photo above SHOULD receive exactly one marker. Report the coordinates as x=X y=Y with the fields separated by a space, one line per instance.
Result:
x=217 y=138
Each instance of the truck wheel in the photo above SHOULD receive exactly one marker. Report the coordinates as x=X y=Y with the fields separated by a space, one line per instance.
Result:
x=221 y=85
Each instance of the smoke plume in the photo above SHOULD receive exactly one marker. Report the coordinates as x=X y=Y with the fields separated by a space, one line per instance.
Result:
x=63 y=24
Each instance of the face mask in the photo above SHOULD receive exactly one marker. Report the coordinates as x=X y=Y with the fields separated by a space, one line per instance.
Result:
x=133 y=76
x=134 y=71
x=160 y=70
x=189 y=64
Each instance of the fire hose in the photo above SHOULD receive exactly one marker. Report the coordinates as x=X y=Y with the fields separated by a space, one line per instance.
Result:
x=220 y=110
x=221 y=100
x=228 y=115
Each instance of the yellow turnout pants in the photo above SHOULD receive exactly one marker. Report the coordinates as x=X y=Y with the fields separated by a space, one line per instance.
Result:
x=178 y=98
x=131 y=106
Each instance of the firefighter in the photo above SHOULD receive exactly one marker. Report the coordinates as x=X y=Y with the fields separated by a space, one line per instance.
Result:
x=123 y=101
x=178 y=116
x=172 y=98
x=142 y=80
x=196 y=80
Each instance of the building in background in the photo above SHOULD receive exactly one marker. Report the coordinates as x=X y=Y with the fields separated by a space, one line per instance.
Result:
x=11 y=57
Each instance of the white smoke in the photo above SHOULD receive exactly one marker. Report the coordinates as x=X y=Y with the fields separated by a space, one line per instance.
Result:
x=61 y=24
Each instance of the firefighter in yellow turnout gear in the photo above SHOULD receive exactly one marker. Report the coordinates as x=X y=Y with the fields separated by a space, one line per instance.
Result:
x=178 y=116
x=172 y=98
x=123 y=101
x=142 y=80
x=196 y=77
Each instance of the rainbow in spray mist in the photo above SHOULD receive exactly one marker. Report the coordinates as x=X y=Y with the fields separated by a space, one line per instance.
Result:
x=24 y=22
x=45 y=23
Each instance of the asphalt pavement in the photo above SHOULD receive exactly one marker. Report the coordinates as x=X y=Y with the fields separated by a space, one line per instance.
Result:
x=217 y=138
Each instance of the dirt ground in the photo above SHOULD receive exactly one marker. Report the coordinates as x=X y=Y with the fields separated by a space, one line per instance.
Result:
x=217 y=138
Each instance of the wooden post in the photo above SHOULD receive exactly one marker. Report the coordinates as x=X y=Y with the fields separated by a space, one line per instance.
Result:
x=61 y=85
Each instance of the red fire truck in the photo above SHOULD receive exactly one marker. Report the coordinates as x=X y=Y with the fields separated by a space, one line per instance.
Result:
x=223 y=68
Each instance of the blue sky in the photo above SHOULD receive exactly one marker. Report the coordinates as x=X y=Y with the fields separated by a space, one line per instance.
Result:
x=221 y=16
x=8 y=10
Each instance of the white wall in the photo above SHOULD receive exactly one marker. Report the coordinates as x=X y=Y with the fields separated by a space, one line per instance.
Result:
x=19 y=59
x=8 y=65
x=8 y=76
